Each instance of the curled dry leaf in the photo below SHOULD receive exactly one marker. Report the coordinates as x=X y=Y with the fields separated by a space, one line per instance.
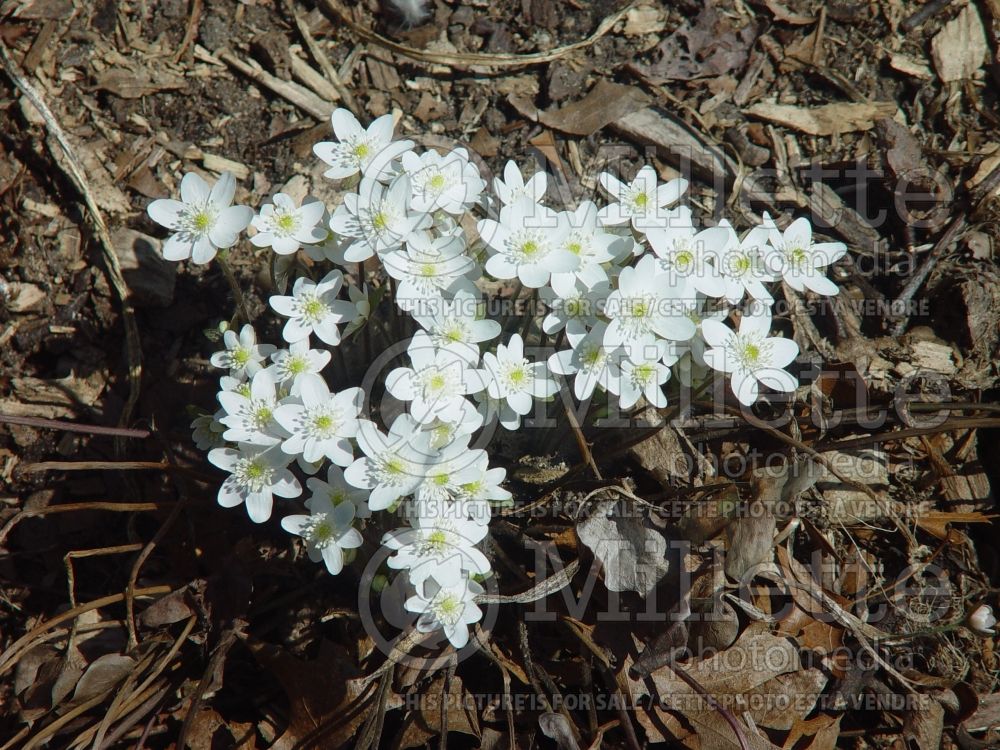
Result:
x=457 y=707
x=632 y=555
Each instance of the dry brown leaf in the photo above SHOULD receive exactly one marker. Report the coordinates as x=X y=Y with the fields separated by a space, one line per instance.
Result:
x=707 y=46
x=422 y=725
x=734 y=674
x=784 y=15
x=632 y=555
x=924 y=723
x=605 y=103
x=822 y=730
x=960 y=48
x=828 y=119
x=326 y=704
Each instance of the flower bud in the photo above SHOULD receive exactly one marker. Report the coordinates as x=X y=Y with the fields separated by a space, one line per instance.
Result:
x=982 y=620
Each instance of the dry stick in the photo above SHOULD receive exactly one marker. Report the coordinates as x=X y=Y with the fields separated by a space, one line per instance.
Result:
x=71 y=507
x=581 y=441
x=183 y=496
x=972 y=423
x=822 y=461
x=467 y=60
x=926 y=12
x=917 y=280
x=321 y=59
x=724 y=712
x=226 y=643
x=128 y=704
x=9 y=657
x=75 y=172
x=100 y=466
x=86 y=429
x=192 y=29
x=603 y=666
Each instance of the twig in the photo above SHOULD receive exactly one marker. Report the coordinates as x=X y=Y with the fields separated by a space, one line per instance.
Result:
x=321 y=59
x=300 y=96
x=226 y=642
x=74 y=170
x=86 y=429
x=72 y=507
x=9 y=657
x=192 y=29
x=724 y=712
x=466 y=60
x=927 y=11
x=581 y=441
x=604 y=667
x=917 y=280
x=99 y=466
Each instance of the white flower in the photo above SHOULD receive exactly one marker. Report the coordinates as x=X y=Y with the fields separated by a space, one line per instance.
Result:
x=528 y=243
x=337 y=490
x=377 y=218
x=453 y=325
x=749 y=355
x=742 y=266
x=393 y=465
x=590 y=244
x=574 y=303
x=314 y=308
x=642 y=308
x=793 y=256
x=643 y=378
x=256 y=474
x=588 y=359
x=283 y=227
x=250 y=416
x=442 y=433
x=449 y=606
x=687 y=257
x=428 y=269
x=203 y=220
x=450 y=182
x=356 y=150
x=295 y=363
x=362 y=307
x=323 y=424
x=207 y=431
x=454 y=466
x=512 y=378
x=498 y=409
x=642 y=201
x=485 y=488
x=513 y=188
x=242 y=355
x=327 y=531
x=435 y=384
x=982 y=620
x=441 y=542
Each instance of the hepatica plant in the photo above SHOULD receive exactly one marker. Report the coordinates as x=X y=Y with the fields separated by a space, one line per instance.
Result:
x=632 y=294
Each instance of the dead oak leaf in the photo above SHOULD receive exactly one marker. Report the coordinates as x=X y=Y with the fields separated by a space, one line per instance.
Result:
x=457 y=706
x=326 y=704
x=708 y=46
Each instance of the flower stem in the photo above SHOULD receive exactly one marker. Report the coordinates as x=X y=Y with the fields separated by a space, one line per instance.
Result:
x=234 y=285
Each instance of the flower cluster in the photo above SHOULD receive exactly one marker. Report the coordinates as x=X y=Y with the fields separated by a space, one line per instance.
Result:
x=634 y=291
